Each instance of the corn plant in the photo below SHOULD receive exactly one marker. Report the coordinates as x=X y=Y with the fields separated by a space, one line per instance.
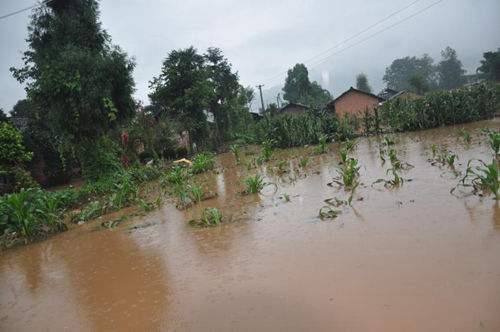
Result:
x=303 y=162
x=286 y=197
x=465 y=135
x=322 y=146
x=235 y=150
x=196 y=193
x=209 y=217
x=267 y=150
x=483 y=178
x=254 y=184
x=203 y=162
x=494 y=141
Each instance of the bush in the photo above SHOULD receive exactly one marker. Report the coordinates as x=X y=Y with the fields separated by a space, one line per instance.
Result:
x=13 y=159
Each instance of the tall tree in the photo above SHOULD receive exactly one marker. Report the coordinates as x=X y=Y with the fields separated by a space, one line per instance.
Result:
x=75 y=75
x=449 y=69
x=183 y=91
x=362 y=83
x=398 y=74
x=226 y=89
x=490 y=65
x=299 y=89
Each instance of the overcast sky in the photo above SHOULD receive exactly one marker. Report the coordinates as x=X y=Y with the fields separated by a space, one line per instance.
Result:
x=263 y=38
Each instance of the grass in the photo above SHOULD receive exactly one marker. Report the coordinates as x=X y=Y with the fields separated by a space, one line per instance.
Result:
x=254 y=184
x=203 y=162
x=209 y=217
x=285 y=197
x=282 y=166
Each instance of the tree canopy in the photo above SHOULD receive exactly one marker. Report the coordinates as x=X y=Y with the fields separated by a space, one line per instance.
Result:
x=362 y=83
x=398 y=74
x=299 y=89
x=490 y=65
x=449 y=70
x=74 y=74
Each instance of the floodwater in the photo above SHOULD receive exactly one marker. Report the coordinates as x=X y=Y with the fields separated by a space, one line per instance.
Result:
x=411 y=259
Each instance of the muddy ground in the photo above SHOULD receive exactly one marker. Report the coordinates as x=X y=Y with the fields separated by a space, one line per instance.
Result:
x=412 y=259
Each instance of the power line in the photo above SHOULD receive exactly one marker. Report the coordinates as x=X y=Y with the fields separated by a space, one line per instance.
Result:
x=17 y=12
x=24 y=9
x=361 y=32
x=379 y=32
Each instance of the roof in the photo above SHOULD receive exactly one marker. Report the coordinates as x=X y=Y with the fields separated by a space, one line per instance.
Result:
x=293 y=105
x=387 y=93
x=359 y=91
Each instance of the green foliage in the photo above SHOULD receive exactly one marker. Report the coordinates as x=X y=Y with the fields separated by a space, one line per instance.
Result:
x=399 y=73
x=196 y=193
x=12 y=150
x=254 y=184
x=13 y=160
x=322 y=146
x=449 y=70
x=494 y=141
x=483 y=178
x=490 y=66
x=74 y=74
x=267 y=149
x=183 y=90
x=155 y=135
x=100 y=159
x=303 y=162
x=299 y=89
x=465 y=135
x=235 y=150
x=203 y=162
x=209 y=217
x=439 y=109
x=290 y=130
x=362 y=83
x=176 y=176
x=29 y=213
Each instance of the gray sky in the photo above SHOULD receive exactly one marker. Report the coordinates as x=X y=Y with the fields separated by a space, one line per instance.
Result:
x=263 y=38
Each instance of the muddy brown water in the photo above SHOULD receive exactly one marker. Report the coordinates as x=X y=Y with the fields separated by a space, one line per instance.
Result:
x=412 y=259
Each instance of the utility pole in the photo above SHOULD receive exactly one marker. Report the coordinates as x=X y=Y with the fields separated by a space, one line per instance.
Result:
x=261 y=99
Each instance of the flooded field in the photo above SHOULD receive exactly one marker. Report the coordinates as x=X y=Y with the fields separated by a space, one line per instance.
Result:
x=410 y=259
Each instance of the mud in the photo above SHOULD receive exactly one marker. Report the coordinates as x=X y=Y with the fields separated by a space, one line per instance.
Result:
x=411 y=259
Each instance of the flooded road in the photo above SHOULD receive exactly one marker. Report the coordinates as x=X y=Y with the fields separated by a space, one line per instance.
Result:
x=412 y=259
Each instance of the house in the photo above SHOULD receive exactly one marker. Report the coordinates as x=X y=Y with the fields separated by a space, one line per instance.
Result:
x=293 y=109
x=354 y=102
x=387 y=93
